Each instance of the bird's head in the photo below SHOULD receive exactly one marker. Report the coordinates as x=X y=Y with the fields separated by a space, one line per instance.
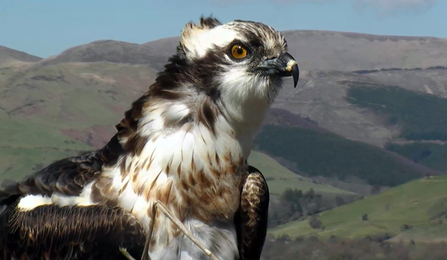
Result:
x=239 y=65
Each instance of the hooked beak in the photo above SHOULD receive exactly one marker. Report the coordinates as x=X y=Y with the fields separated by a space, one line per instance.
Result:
x=284 y=65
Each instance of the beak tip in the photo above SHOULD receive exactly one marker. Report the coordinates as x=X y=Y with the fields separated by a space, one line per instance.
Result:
x=295 y=74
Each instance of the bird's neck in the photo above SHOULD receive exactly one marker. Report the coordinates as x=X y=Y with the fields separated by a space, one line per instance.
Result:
x=245 y=119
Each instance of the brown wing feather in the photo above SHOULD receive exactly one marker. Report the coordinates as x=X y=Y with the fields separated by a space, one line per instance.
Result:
x=251 y=218
x=71 y=232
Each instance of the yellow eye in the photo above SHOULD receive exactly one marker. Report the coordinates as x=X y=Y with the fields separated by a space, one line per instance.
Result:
x=238 y=51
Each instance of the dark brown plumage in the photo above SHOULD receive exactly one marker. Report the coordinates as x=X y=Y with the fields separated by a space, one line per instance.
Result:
x=70 y=232
x=252 y=215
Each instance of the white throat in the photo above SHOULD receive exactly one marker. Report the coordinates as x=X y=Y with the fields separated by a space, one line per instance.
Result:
x=246 y=98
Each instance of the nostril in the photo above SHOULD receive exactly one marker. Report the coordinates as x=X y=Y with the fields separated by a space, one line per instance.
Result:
x=272 y=57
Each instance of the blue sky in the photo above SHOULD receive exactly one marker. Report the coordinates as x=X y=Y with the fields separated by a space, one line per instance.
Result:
x=47 y=27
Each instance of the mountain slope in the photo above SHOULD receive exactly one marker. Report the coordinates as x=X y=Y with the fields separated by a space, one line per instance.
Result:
x=326 y=99
x=8 y=56
x=50 y=112
x=420 y=205
x=280 y=178
x=26 y=147
x=431 y=154
x=344 y=51
x=325 y=60
x=315 y=50
x=106 y=76
x=65 y=95
x=108 y=51
x=330 y=155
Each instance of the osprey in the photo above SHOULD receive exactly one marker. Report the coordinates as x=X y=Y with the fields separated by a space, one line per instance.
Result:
x=183 y=145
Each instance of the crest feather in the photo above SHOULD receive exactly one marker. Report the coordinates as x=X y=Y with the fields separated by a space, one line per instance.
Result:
x=191 y=29
x=209 y=22
x=191 y=32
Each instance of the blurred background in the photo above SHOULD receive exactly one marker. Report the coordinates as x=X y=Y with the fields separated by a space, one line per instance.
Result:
x=355 y=156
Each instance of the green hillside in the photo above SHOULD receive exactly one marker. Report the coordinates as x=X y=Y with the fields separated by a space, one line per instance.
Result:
x=430 y=154
x=26 y=146
x=327 y=154
x=72 y=95
x=280 y=178
x=421 y=204
x=48 y=113
x=421 y=116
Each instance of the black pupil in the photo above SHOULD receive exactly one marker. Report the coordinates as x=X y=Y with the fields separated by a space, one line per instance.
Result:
x=239 y=50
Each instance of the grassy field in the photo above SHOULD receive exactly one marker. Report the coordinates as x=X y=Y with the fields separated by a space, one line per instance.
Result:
x=415 y=203
x=25 y=146
x=280 y=178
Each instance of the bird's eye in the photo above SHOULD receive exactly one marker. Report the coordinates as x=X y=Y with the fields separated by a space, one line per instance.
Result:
x=238 y=51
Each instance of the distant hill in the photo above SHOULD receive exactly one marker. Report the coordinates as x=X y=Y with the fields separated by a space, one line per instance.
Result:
x=344 y=51
x=432 y=154
x=282 y=117
x=338 y=70
x=326 y=99
x=54 y=111
x=328 y=61
x=413 y=211
x=108 y=51
x=326 y=154
x=8 y=56
x=164 y=49
x=314 y=50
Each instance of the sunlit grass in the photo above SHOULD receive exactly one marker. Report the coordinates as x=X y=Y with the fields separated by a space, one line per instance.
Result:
x=412 y=204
